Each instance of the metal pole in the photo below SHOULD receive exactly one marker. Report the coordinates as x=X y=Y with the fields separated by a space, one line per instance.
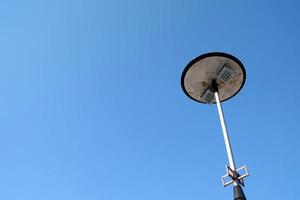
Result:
x=225 y=134
x=238 y=191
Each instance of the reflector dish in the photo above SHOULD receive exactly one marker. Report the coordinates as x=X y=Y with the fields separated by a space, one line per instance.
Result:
x=228 y=72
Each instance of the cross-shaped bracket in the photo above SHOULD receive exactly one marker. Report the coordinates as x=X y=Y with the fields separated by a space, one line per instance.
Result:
x=235 y=176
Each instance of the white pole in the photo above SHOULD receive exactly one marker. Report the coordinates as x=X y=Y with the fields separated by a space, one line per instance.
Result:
x=225 y=134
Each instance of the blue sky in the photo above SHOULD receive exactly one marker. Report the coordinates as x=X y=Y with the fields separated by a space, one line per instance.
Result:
x=92 y=107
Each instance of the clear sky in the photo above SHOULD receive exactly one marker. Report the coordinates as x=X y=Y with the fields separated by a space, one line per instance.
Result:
x=91 y=106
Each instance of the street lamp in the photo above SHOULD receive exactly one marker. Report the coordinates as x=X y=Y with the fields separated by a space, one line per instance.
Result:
x=211 y=79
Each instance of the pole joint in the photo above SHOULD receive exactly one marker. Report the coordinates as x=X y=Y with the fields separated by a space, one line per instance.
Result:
x=235 y=176
x=214 y=85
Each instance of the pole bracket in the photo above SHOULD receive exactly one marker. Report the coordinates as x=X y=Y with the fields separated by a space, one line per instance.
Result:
x=235 y=176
